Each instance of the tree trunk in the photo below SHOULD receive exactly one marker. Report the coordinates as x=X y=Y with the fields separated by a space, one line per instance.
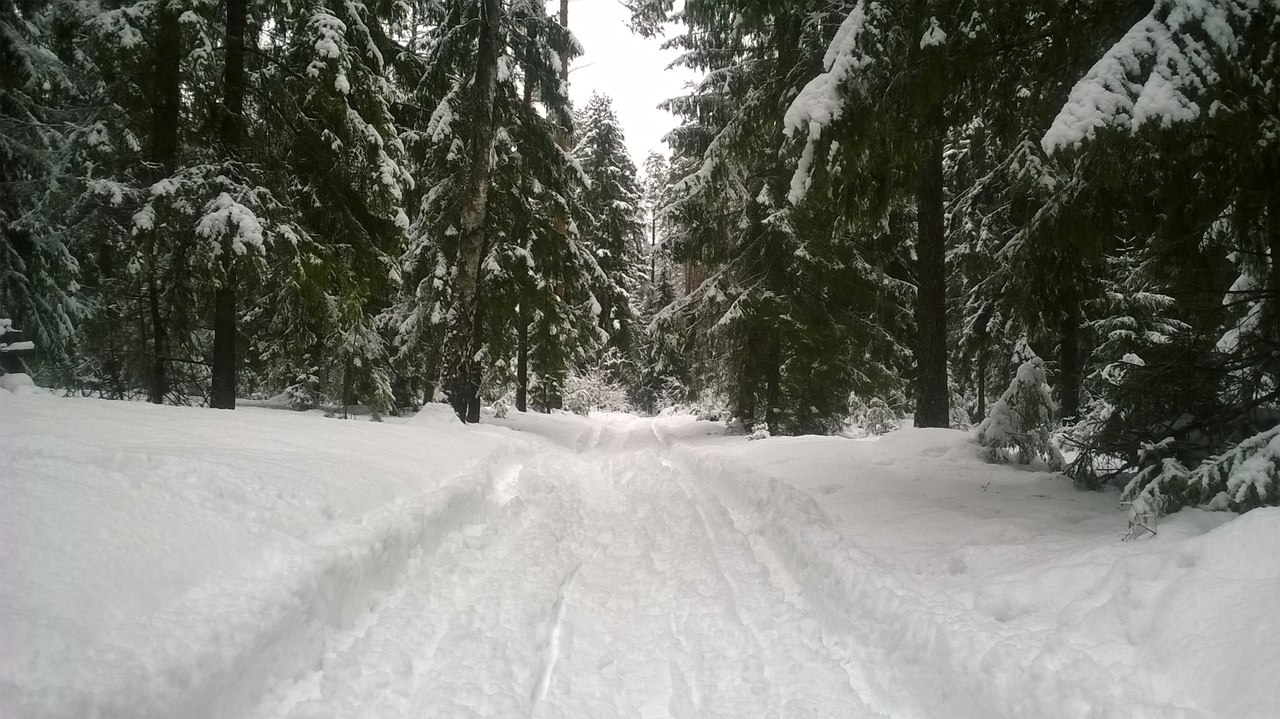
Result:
x=473 y=381
x=982 y=378
x=522 y=358
x=348 y=384
x=773 y=379
x=932 y=395
x=166 y=99
x=222 y=394
x=520 y=234
x=159 y=383
x=653 y=248
x=564 y=60
x=1272 y=296
x=460 y=346
x=1069 y=359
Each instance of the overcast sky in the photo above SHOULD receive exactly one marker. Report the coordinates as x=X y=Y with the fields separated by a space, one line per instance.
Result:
x=626 y=67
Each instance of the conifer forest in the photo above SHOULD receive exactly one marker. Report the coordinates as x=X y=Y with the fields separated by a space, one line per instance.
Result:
x=1056 y=222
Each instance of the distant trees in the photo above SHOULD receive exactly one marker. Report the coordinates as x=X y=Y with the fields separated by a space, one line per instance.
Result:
x=1132 y=242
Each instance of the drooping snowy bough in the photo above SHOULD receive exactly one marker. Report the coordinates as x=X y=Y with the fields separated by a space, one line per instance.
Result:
x=1162 y=70
x=1209 y=66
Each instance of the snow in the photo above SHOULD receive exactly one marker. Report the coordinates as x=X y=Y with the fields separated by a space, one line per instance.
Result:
x=17 y=382
x=1159 y=70
x=822 y=100
x=222 y=215
x=161 y=562
x=934 y=36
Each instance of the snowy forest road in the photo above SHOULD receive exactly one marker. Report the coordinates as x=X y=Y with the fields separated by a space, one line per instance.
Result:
x=160 y=562
x=607 y=581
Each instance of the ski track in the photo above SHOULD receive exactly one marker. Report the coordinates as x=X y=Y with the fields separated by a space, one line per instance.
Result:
x=605 y=581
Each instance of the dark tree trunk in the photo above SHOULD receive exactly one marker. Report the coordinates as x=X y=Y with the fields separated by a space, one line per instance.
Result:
x=773 y=380
x=932 y=395
x=520 y=234
x=522 y=359
x=564 y=59
x=348 y=384
x=1069 y=359
x=982 y=378
x=1272 y=298
x=159 y=381
x=460 y=348
x=222 y=394
x=166 y=99
x=473 y=382
x=653 y=249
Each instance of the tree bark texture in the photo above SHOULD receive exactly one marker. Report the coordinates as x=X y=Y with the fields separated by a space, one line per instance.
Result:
x=932 y=394
x=222 y=394
x=460 y=371
x=520 y=234
x=982 y=378
x=1069 y=359
x=166 y=99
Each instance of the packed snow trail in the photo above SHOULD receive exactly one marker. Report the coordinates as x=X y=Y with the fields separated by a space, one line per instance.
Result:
x=609 y=583
x=160 y=562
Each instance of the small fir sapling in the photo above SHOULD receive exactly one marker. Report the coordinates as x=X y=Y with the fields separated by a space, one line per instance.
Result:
x=875 y=417
x=1022 y=421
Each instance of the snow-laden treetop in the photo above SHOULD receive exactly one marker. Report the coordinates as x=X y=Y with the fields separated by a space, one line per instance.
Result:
x=1160 y=70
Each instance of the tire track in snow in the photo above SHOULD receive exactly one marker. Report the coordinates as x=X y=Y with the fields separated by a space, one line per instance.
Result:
x=610 y=583
x=716 y=639
x=389 y=630
x=913 y=654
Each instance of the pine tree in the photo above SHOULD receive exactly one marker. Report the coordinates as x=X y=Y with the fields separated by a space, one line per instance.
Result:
x=1023 y=418
x=611 y=202
x=536 y=272
x=1183 y=99
x=779 y=297
x=39 y=275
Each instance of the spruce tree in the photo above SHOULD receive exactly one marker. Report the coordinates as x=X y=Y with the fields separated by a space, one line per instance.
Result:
x=611 y=203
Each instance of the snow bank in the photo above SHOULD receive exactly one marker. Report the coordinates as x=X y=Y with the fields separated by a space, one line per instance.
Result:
x=171 y=562
x=436 y=415
x=17 y=383
x=956 y=588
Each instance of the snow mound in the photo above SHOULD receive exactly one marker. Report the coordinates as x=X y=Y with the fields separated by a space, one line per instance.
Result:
x=17 y=383
x=436 y=415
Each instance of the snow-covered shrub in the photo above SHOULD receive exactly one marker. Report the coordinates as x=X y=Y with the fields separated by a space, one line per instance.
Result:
x=585 y=392
x=1022 y=421
x=759 y=431
x=12 y=380
x=960 y=416
x=1245 y=477
x=304 y=393
x=874 y=416
x=10 y=344
x=711 y=414
x=499 y=409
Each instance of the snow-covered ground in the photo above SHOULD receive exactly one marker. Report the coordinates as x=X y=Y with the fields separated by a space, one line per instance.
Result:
x=171 y=562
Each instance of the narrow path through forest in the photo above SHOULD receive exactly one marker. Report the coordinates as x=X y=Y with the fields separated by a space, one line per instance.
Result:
x=608 y=581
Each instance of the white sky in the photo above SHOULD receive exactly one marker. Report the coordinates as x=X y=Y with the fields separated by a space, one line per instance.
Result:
x=628 y=68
